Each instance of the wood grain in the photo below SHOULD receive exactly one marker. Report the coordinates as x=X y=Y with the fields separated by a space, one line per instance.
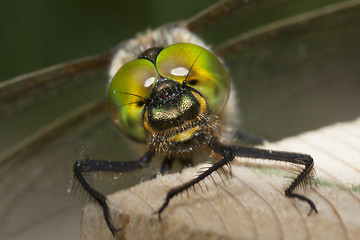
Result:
x=252 y=204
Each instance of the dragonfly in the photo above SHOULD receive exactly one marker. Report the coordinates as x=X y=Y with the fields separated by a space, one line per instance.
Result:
x=245 y=50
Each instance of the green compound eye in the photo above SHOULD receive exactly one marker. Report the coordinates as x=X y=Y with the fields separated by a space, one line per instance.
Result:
x=207 y=74
x=127 y=90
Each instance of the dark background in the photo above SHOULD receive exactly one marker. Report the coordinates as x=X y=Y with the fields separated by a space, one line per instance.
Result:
x=38 y=33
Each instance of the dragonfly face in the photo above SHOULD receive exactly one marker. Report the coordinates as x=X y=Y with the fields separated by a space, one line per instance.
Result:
x=167 y=97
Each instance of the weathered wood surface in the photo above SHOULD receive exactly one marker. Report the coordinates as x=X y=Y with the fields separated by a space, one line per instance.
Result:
x=253 y=205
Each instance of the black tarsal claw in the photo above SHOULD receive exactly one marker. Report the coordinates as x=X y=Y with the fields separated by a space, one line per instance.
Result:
x=159 y=215
x=107 y=220
x=312 y=208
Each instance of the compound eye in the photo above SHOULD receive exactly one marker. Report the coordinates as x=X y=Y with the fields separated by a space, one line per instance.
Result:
x=126 y=96
x=199 y=68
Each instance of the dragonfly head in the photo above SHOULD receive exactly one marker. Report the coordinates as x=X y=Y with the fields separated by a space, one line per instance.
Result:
x=169 y=96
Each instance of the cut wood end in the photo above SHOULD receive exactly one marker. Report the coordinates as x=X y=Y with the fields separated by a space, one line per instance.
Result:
x=252 y=206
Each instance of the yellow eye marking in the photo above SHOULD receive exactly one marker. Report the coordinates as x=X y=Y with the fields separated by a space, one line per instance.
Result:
x=146 y=123
x=201 y=100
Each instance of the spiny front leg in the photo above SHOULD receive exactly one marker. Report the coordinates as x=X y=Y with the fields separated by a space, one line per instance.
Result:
x=219 y=148
x=229 y=152
x=303 y=176
x=99 y=165
x=290 y=157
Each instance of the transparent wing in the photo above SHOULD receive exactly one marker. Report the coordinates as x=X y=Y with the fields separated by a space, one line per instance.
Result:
x=294 y=66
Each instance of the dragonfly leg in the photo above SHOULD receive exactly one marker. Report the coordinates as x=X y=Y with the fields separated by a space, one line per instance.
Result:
x=82 y=166
x=223 y=150
x=168 y=161
x=290 y=157
x=229 y=152
x=166 y=165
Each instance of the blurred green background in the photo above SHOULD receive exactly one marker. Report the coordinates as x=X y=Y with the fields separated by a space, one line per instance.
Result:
x=39 y=33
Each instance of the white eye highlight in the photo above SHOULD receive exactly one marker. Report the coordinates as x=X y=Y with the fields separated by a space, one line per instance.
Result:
x=149 y=82
x=179 y=71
